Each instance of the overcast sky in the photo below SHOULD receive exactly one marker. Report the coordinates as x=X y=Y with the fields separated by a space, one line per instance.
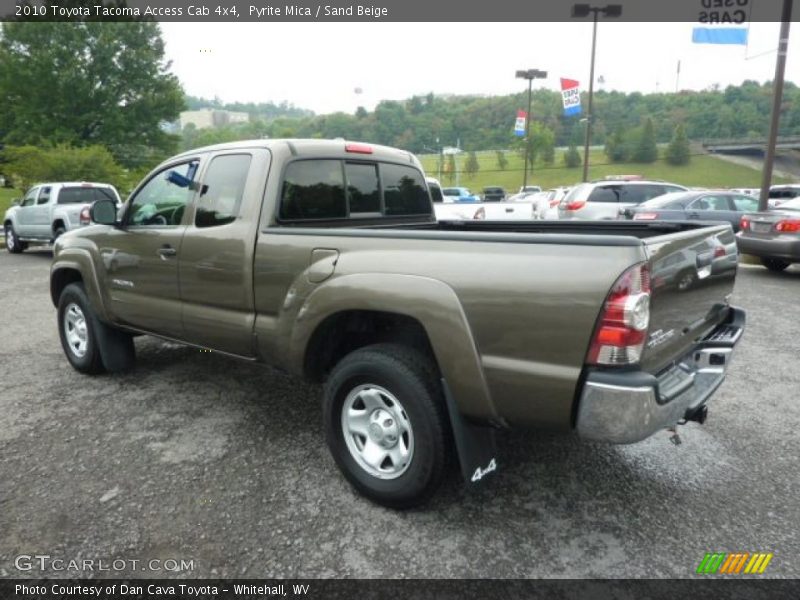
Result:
x=321 y=65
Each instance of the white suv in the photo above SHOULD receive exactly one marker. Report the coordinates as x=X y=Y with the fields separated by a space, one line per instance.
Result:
x=50 y=209
x=608 y=199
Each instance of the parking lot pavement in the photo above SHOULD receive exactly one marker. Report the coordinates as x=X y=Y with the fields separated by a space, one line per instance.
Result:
x=198 y=457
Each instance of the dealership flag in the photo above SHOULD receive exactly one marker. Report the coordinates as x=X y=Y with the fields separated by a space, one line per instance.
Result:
x=519 y=125
x=571 y=96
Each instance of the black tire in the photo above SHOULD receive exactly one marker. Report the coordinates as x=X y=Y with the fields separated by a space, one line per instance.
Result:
x=686 y=279
x=107 y=348
x=58 y=232
x=775 y=264
x=408 y=375
x=89 y=360
x=13 y=245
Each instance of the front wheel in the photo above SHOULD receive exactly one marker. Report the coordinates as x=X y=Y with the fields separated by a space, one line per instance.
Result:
x=775 y=264
x=386 y=424
x=77 y=328
x=13 y=244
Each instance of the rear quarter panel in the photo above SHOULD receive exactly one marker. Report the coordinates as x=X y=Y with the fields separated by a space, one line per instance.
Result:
x=529 y=309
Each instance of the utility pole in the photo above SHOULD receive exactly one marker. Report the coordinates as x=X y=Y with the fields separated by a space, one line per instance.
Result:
x=583 y=10
x=777 y=99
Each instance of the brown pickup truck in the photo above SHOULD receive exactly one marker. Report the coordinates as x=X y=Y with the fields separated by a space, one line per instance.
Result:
x=324 y=258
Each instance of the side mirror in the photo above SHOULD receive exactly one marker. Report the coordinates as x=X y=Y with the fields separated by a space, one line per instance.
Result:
x=104 y=212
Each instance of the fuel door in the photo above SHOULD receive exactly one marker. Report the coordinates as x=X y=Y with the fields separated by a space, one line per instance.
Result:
x=322 y=265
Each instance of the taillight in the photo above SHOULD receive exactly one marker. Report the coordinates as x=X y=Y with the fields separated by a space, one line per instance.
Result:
x=744 y=224
x=553 y=203
x=788 y=226
x=574 y=204
x=644 y=216
x=85 y=217
x=480 y=213
x=622 y=328
x=358 y=148
x=719 y=252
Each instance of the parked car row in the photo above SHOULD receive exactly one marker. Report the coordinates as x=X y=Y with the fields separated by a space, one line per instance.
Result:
x=773 y=236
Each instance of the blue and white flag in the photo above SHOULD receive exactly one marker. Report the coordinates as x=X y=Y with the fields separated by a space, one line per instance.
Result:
x=571 y=96
x=519 y=124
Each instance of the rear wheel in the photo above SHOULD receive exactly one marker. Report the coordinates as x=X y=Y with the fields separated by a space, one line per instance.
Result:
x=775 y=264
x=386 y=424
x=58 y=232
x=13 y=244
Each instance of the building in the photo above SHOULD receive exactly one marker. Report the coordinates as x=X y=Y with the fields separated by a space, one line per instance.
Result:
x=210 y=117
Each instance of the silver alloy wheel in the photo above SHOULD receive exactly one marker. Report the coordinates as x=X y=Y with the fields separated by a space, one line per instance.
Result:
x=10 y=238
x=75 y=330
x=377 y=431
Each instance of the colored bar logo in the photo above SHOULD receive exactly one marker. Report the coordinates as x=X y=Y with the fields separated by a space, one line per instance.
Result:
x=734 y=563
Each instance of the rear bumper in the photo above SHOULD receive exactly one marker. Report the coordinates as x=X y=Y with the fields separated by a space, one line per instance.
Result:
x=627 y=407
x=787 y=249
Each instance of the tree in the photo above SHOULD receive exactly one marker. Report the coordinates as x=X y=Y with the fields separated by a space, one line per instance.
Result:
x=678 y=149
x=472 y=165
x=572 y=158
x=615 y=146
x=646 y=150
x=30 y=164
x=450 y=167
x=502 y=161
x=88 y=83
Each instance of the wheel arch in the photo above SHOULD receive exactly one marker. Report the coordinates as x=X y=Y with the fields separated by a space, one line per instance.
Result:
x=425 y=311
x=75 y=265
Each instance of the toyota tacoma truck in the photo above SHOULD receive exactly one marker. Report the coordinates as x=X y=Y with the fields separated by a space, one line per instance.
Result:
x=50 y=209
x=325 y=259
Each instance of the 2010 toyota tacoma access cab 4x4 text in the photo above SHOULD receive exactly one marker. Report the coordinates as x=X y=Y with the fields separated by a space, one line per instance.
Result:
x=324 y=258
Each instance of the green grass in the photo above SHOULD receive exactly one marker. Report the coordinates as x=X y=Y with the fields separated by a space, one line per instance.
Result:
x=703 y=171
x=6 y=196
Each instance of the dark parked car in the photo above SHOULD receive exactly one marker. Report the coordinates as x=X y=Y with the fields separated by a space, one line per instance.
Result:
x=702 y=206
x=494 y=194
x=773 y=236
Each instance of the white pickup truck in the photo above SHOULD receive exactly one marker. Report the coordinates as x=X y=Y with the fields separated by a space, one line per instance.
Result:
x=523 y=210
x=50 y=209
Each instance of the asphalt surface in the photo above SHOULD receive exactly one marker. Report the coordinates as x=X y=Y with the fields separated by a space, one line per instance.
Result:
x=198 y=457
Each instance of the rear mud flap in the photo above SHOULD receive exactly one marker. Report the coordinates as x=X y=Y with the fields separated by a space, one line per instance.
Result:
x=476 y=445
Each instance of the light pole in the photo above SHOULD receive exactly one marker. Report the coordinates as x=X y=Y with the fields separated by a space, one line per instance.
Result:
x=777 y=98
x=530 y=75
x=582 y=11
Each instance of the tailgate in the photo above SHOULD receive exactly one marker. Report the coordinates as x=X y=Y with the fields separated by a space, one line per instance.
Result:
x=691 y=276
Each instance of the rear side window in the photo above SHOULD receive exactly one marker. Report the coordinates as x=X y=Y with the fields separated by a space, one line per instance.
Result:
x=604 y=194
x=222 y=190
x=363 y=191
x=313 y=189
x=745 y=203
x=76 y=195
x=636 y=194
x=404 y=191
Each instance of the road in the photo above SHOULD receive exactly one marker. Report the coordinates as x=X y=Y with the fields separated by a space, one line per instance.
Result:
x=198 y=457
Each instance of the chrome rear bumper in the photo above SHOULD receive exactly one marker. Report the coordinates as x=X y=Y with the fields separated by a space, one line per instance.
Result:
x=628 y=407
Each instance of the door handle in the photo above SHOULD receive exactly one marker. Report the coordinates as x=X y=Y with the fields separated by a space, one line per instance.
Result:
x=166 y=251
x=508 y=210
x=694 y=215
